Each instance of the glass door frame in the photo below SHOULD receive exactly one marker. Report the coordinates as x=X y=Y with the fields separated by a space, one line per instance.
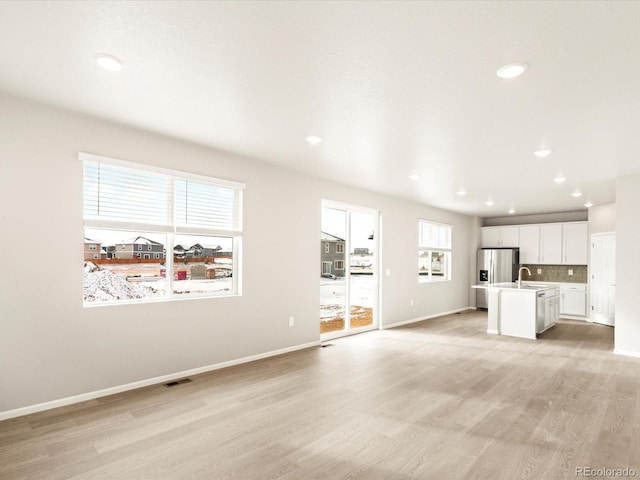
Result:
x=375 y=325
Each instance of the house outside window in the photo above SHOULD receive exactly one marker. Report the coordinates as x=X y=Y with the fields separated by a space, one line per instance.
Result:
x=338 y=264
x=329 y=255
x=136 y=208
x=434 y=251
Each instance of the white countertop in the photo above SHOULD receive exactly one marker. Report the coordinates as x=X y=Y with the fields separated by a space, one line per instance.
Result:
x=524 y=287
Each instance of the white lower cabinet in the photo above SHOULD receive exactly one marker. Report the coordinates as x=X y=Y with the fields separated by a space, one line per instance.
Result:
x=573 y=300
x=552 y=308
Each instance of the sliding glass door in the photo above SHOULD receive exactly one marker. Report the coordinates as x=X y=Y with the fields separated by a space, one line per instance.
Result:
x=348 y=269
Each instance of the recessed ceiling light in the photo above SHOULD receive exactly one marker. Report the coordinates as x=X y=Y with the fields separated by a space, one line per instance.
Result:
x=109 y=62
x=490 y=202
x=313 y=140
x=414 y=176
x=588 y=204
x=462 y=192
x=577 y=194
x=559 y=179
x=512 y=211
x=542 y=152
x=512 y=70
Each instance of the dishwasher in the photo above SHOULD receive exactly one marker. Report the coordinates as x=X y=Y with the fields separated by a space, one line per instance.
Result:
x=541 y=310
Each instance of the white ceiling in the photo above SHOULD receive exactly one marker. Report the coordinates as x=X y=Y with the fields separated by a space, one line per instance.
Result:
x=393 y=88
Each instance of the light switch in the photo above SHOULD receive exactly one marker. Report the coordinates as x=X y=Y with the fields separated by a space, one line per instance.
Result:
x=539 y=271
x=388 y=272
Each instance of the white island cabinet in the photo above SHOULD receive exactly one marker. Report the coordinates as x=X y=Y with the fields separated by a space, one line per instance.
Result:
x=521 y=311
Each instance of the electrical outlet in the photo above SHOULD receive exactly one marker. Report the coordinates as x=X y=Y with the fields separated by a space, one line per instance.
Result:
x=411 y=302
x=388 y=272
x=539 y=271
x=292 y=321
x=570 y=272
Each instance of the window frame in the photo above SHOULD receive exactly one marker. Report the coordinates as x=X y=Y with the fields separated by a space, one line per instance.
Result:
x=172 y=227
x=339 y=247
x=425 y=246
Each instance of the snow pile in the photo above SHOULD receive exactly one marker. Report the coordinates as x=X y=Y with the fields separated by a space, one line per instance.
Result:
x=102 y=285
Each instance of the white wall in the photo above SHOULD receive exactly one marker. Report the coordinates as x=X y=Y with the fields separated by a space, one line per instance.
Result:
x=52 y=348
x=602 y=218
x=627 y=329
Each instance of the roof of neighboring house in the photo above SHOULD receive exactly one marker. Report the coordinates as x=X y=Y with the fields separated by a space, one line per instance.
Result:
x=197 y=246
x=330 y=238
x=139 y=241
x=210 y=247
x=88 y=240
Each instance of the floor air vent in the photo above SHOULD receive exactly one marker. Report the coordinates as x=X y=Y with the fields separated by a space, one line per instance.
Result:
x=177 y=382
x=325 y=345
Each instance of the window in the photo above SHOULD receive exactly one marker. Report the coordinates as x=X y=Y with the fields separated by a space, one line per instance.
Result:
x=327 y=247
x=326 y=268
x=338 y=264
x=339 y=247
x=188 y=225
x=434 y=251
x=92 y=246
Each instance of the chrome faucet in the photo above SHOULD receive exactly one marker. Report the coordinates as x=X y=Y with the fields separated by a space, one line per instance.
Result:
x=520 y=274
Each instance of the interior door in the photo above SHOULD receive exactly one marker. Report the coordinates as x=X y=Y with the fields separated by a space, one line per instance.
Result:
x=603 y=278
x=349 y=292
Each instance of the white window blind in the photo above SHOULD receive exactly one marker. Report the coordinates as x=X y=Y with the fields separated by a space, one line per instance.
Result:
x=119 y=194
x=122 y=194
x=205 y=205
x=434 y=235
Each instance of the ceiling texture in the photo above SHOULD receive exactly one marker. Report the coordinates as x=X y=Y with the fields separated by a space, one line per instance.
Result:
x=393 y=88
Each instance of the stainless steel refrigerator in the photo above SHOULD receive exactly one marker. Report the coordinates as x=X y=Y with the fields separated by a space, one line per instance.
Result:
x=495 y=265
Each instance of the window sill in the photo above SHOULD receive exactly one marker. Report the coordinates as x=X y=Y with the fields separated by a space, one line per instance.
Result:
x=174 y=298
x=433 y=280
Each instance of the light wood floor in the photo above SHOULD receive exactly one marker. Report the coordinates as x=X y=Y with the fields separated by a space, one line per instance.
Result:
x=439 y=399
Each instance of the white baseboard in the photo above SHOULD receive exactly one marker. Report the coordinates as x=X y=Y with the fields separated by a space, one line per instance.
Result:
x=575 y=317
x=420 y=319
x=626 y=353
x=18 y=412
x=493 y=332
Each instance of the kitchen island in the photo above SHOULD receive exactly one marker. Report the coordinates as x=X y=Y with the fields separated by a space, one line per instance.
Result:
x=523 y=310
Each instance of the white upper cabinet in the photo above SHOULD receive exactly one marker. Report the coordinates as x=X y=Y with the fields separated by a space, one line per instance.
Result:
x=544 y=244
x=529 y=244
x=551 y=244
x=499 y=237
x=575 y=246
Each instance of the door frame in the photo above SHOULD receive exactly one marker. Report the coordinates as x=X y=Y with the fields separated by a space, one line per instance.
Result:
x=376 y=323
x=591 y=263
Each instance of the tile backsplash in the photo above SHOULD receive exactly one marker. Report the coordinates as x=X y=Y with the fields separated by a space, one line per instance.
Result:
x=556 y=273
